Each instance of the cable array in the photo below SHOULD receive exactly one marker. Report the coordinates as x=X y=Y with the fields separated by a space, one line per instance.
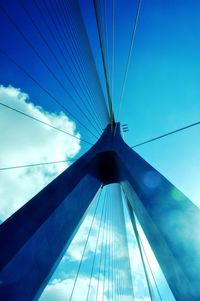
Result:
x=88 y=116
x=58 y=19
x=73 y=70
x=109 y=255
x=105 y=68
x=76 y=74
x=154 y=296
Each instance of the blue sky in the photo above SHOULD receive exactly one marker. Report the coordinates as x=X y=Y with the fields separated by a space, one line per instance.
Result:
x=162 y=89
x=161 y=94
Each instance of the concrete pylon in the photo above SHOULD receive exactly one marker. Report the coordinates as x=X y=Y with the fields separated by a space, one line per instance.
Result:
x=33 y=240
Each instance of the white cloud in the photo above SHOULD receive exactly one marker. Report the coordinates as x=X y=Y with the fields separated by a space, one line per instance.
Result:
x=61 y=290
x=24 y=141
x=75 y=250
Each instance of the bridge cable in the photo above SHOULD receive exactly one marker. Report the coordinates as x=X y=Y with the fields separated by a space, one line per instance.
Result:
x=152 y=274
x=46 y=91
x=55 y=40
x=96 y=247
x=102 y=22
x=43 y=122
x=102 y=243
x=124 y=243
x=113 y=49
x=167 y=134
x=38 y=164
x=97 y=81
x=28 y=42
x=118 y=263
x=51 y=31
x=114 y=268
x=103 y=41
x=118 y=282
x=34 y=50
x=125 y=235
x=109 y=273
x=77 y=58
x=117 y=272
x=72 y=59
x=28 y=15
x=109 y=244
x=106 y=41
x=143 y=251
x=113 y=259
x=86 y=242
x=101 y=251
x=72 y=38
x=129 y=60
x=99 y=88
x=105 y=249
x=104 y=67
x=132 y=216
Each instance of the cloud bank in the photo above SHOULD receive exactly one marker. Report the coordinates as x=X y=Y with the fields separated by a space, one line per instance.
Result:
x=25 y=141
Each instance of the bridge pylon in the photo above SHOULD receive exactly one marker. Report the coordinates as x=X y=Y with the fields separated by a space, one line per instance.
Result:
x=35 y=237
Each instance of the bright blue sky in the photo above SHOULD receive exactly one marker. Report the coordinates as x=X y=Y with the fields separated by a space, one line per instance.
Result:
x=162 y=91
